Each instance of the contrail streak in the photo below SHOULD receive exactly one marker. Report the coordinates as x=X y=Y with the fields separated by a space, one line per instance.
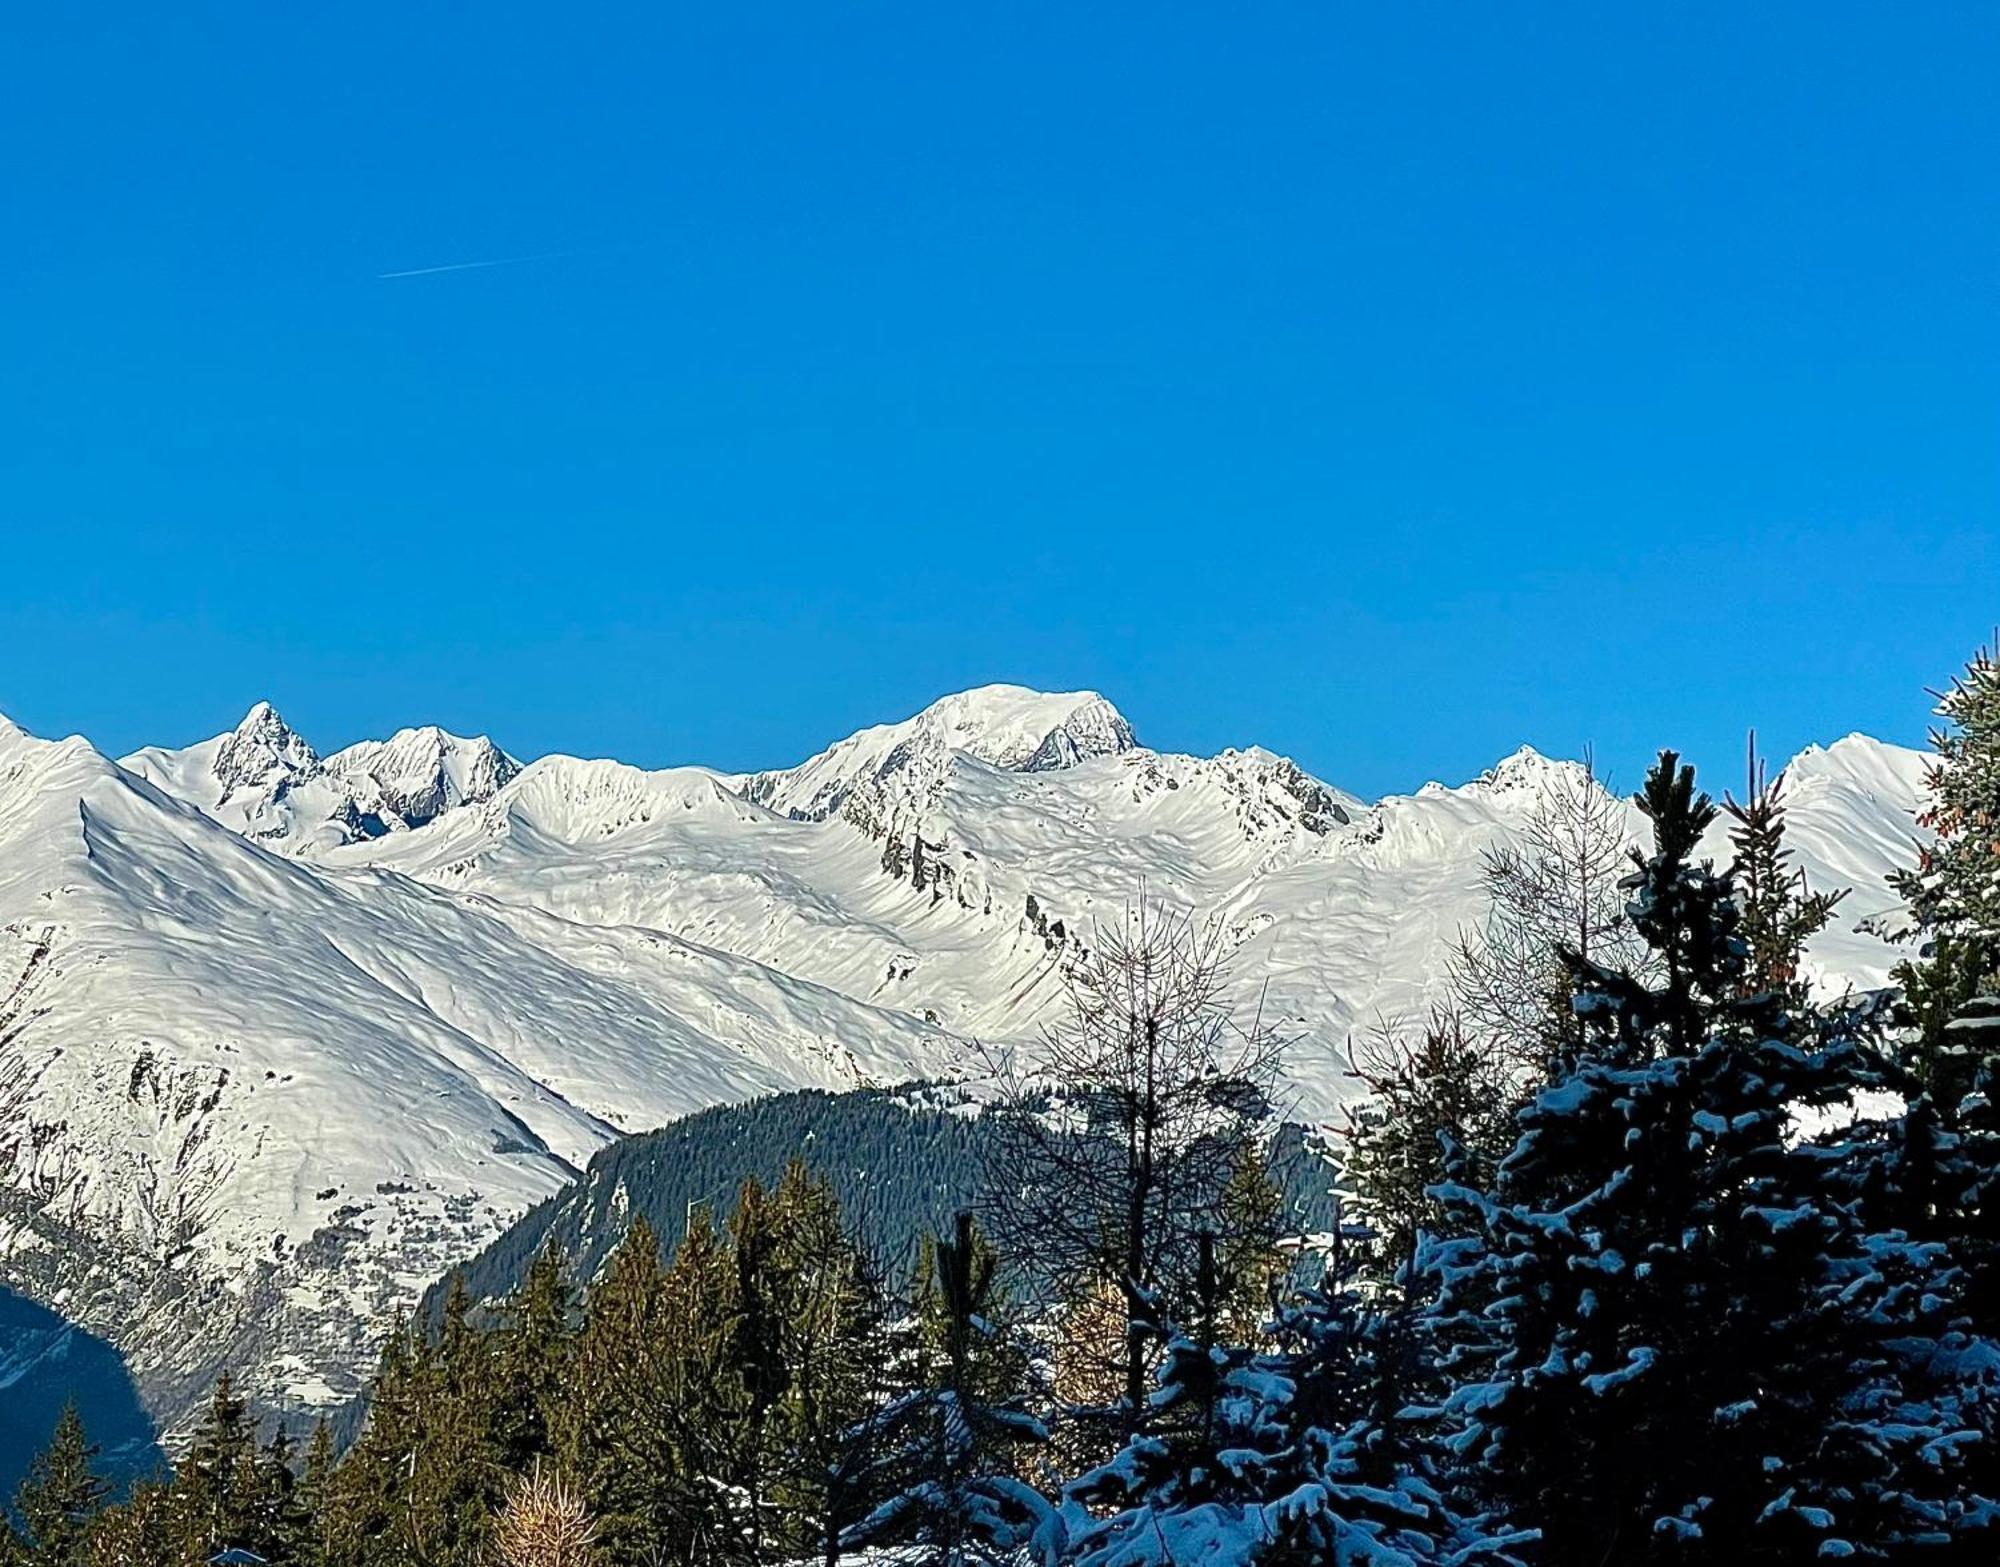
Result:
x=470 y=266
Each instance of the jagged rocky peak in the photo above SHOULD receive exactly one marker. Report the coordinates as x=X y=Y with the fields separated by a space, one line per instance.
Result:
x=262 y=752
x=421 y=773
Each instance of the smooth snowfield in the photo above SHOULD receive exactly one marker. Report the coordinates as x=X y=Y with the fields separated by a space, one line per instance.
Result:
x=288 y=1035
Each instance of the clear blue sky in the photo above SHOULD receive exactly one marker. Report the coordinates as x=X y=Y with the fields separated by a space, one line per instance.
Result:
x=1385 y=384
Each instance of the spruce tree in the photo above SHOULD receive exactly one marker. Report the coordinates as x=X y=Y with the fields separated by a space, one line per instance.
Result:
x=282 y=1528
x=1249 y=1216
x=368 y=1517
x=316 y=1495
x=531 y=1360
x=832 y=1339
x=1436 y=1108
x=141 y=1531
x=1953 y=893
x=1305 y=1452
x=1669 y=1337
x=61 y=1494
x=939 y=1459
x=756 y=1359
x=455 y=1484
x=1780 y=913
x=610 y=1440
x=698 y=1409
x=215 y=1487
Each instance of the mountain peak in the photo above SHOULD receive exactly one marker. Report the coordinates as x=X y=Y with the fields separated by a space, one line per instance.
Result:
x=1010 y=727
x=262 y=747
x=1019 y=727
x=421 y=773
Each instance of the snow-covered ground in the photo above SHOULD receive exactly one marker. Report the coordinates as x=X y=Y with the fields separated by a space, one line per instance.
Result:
x=282 y=1036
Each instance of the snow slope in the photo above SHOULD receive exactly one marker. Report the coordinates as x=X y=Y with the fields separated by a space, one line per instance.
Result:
x=289 y=1035
x=248 y=1106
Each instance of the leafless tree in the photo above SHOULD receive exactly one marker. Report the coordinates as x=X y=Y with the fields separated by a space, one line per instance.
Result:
x=1556 y=889
x=1112 y=1145
x=545 y=1524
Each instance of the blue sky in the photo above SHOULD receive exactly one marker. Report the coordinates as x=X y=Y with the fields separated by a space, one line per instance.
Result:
x=1389 y=385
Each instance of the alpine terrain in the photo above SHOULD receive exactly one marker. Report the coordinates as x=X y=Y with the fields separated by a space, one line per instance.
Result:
x=284 y=1036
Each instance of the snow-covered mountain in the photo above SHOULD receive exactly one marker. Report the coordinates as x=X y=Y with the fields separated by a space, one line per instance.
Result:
x=283 y=1036
x=267 y=783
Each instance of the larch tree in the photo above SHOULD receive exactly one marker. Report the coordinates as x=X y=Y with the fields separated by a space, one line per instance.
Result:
x=1109 y=1149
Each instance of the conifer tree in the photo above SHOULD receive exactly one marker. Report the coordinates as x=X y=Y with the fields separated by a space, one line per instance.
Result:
x=61 y=1494
x=1437 y=1108
x=283 y=1527
x=455 y=1483
x=316 y=1496
x=698 y=1407
x=1780 y=913
x=1162 y=1084
x=1249 y=1217
x=756 y=1358
x=832 y=1341
x=1662 y=1269
x=941 y=1455
x=1553 y=888
x=532 y=1362
x=372 y=1513
x=1301 y=1453
x=141 y=1531
x=216 y=1485
x=1953 y=893
x=609 y=1436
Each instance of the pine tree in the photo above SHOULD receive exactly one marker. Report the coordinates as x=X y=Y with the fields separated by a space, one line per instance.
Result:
x=1780 y=913
x=1300 y=1453
x=1953 y=894
x=939 y=1457
x=1435 y=1109
x=215 y=1488
x=1662 y=1269
x=61 y=1494
x=532 y=1362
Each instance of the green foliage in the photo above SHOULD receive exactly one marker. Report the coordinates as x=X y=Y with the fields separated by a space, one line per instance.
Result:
x=1953 y=893
x=1668 y=1336
x=216 y=1486
x=1438 y=1108
x=61 y=1494
x=1780 y=913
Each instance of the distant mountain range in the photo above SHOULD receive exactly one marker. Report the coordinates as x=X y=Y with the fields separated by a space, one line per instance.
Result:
x=284 y=1036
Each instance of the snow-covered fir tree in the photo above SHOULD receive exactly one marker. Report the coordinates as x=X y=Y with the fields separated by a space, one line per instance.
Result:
x=943 y=1454
x=1305 y=1452
x=1669 y=1337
